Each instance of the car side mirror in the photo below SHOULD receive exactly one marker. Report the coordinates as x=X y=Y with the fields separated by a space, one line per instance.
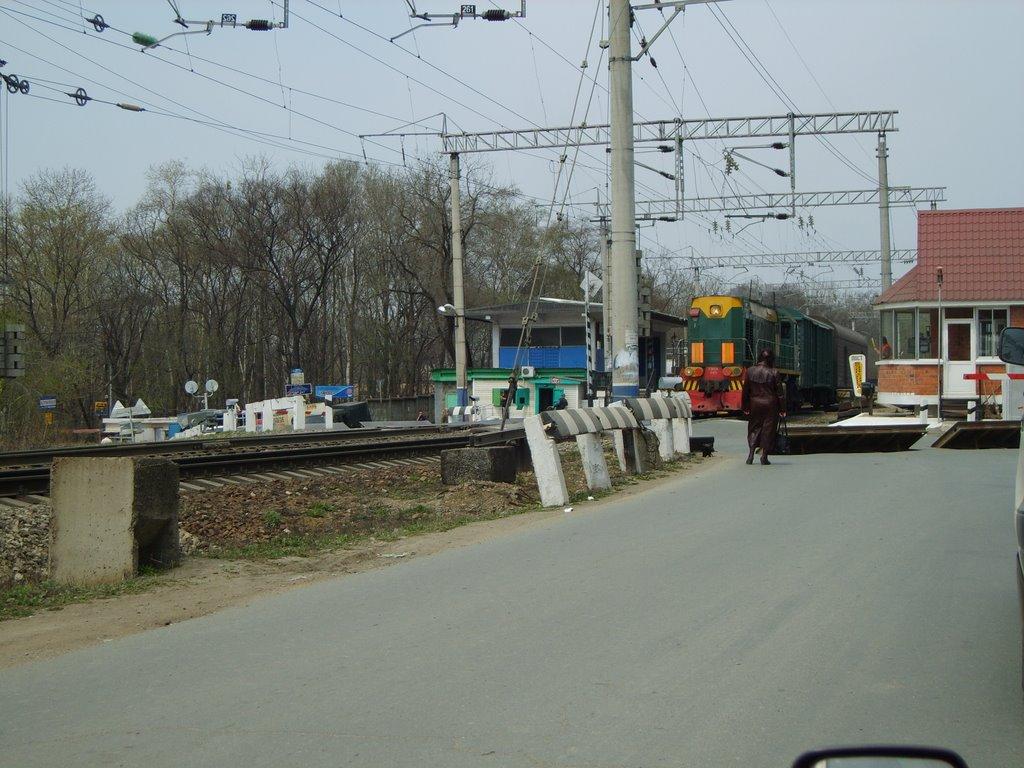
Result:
x=1011 y=346
x=880 y=757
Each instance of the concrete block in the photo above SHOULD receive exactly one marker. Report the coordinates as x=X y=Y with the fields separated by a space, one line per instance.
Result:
x=594 y=466
x=547 y=464
x=463 y=465
x=619 y=441
x=640 y=447
x=250 y=418
x=666 y=443
x=111 y=516
x=681 y=435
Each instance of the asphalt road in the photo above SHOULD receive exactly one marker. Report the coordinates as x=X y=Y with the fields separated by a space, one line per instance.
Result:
x=733 y=617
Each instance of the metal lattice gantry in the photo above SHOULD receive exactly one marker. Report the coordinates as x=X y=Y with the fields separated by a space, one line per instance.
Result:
x=770 y=126
x=669 y=209
x=800 y=259
x=833 y=286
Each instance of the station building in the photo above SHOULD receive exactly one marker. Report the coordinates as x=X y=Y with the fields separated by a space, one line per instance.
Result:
x=556 y=358
x=940 y=330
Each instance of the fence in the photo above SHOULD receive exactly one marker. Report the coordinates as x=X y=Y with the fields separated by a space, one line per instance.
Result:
x=401 y=408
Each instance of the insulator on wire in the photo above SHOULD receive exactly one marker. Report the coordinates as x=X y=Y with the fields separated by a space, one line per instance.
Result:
x=495 y=14
x=259 y=25
x=131 y=107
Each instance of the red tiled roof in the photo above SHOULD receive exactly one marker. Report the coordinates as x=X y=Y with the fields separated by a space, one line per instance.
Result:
x=980 y=250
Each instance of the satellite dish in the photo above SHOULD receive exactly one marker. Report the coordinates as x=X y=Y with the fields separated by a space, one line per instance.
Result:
x=212 y=386
x=191 y=387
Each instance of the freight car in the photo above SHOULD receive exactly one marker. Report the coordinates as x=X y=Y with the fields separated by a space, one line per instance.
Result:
x=726 y=333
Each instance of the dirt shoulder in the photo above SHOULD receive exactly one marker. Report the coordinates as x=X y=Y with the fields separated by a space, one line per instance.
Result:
x=204 y=585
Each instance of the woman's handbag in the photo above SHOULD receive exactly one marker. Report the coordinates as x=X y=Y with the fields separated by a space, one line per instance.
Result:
x=782 y=444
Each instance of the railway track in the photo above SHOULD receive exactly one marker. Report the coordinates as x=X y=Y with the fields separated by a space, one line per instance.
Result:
x=43 y=456
x=264 y=461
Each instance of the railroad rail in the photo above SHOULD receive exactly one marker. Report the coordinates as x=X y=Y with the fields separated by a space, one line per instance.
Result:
x=43 y=456
x=34 y=480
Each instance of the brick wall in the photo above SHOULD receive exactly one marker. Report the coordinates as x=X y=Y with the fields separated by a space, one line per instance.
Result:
x=990 y=387
x=915 y=379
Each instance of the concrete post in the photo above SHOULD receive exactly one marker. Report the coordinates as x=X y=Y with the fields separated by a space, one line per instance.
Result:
x=547 y=465
x=298 y=414
x=681 y=435
x=625 y=356
x=594 y=467
x=635 y=445
x=250 y=417
x=268 y=416
x=619 y=441
x=328 y=416
x=230 y=420
x=110 y=516
x=666 y=443
x=461 y=393
x=883 y=211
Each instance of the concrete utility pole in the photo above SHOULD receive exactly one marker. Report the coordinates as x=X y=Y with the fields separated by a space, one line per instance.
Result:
x=883 y=210
x=625 y=361
x=461 y=394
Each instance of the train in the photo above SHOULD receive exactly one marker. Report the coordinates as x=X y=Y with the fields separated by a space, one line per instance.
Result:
x=725 y=334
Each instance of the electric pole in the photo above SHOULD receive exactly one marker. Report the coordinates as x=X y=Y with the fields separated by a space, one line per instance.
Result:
x=458 y=291
x=883 y=210
x=623 y=293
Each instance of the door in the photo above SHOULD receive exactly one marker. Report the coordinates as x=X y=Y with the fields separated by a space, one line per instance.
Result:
x=958 y=348
x=545 y=397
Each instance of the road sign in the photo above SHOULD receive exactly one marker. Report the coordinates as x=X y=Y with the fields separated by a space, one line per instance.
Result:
x=48 y=417
x=47 y=402
x=334 y=391
x=291 y=390
x=100 y=406
x=857 y=365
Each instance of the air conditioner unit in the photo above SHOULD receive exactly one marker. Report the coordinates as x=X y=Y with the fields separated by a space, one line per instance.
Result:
x=527 y=372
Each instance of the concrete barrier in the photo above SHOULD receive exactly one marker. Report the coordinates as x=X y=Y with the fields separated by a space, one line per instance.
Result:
x=111 y=516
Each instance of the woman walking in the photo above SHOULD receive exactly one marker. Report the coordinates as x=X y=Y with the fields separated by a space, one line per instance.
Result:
x=764 y=401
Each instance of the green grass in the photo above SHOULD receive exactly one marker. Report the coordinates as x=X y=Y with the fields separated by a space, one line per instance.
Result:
x=26 y=599
x=319 y=509
x=272 y=518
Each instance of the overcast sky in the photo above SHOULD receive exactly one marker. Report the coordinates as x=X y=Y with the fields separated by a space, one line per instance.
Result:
x=951 y=67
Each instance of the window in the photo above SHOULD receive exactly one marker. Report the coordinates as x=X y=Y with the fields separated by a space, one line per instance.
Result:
x=887 y=334
x=574 y=336
x=927 y=335
x=990 y=324
x=545 y=337
x=509 y=337
x=905 y=343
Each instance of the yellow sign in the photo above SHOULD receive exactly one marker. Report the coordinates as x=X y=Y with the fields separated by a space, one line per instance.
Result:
x=858 y=364
x=99 y=406
x=48 y=417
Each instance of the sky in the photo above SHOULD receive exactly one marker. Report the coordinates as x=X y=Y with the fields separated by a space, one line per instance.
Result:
x=304 y=95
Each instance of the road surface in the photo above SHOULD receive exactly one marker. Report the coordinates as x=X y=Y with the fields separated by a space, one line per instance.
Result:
x=732 y=617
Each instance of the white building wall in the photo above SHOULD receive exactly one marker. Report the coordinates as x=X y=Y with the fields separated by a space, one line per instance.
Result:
x=484 y=388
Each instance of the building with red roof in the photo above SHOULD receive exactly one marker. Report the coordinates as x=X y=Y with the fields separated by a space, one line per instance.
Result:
x=941 y=320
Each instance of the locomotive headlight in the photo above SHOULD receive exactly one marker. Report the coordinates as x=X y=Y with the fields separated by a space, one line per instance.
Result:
x=715 y=310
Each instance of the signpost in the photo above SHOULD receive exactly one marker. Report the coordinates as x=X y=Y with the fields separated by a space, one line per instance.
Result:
x=297 y=376
x=334 y=391
x=47 y=402
x=857 y=367
x=100 y=407
x=291 y=390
